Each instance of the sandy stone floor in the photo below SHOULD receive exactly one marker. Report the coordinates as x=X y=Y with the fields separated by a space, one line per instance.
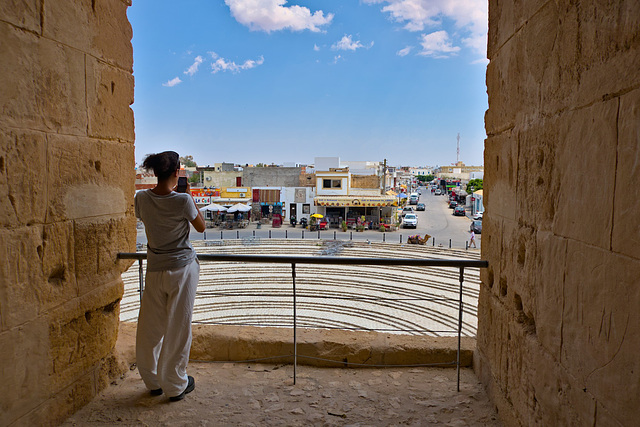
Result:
x=264 y=395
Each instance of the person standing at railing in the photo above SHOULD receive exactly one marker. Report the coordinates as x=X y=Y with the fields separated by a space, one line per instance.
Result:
x=163 y=338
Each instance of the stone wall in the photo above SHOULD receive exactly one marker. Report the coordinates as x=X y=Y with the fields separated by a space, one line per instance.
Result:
x=220 y=179
x=66 y=201
x=365 y=181
x=272 y=177
x=559 y=325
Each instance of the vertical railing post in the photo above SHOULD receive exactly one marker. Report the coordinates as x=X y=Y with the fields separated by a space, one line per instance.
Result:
x=295 y=337
x=449 y=243
x=204 y=235
x=459 y=327
x=401 y=238
x=351 y=235
x=220 y=234
x=384 y=237
x=318 y=233
x=254 y=233
x=269 y=233
x=286 y=234
x=303 y=234
x=140 y=278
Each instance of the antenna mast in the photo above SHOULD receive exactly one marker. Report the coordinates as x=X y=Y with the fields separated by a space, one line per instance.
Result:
x=458 y=150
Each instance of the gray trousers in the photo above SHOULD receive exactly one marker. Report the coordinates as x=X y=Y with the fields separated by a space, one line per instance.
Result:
x=163 y=339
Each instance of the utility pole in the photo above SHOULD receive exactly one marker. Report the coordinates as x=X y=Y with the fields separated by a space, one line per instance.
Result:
x=384 y=177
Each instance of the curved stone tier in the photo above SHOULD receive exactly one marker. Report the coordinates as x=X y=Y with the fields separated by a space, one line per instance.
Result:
x=408 y=300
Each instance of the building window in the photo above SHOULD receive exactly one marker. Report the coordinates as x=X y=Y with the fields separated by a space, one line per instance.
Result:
x=331 y=183
x=306 y=208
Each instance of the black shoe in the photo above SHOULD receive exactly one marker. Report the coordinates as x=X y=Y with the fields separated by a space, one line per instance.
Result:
x=156 y=392
x=190 y=386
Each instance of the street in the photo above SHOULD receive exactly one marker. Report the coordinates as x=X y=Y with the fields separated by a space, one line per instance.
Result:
x=437 y=220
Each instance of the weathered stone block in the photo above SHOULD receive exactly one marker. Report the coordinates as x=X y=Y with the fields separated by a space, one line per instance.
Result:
x=82 y=332
x=589 y=145
x=506 y=18
x=43 y=87
x=548 y=281
x=538 y=183
x=609 y=41
x=96 y=27
x=503 y=89
x=20 y=274
x=558 y=89
x=62 y=404
x=25 y=358
x=96 y=245
x=555 y=400
x=118 y=235
x=22 y=13
x=600 y=313
x=109 y=95
x=88 y=178
x=625 y=238
x=493 y=337
x=501 y=171
x=58 y=265
x=23 y=194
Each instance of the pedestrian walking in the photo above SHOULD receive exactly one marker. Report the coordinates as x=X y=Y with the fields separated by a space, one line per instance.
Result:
x=163 y=338
x=472 y=239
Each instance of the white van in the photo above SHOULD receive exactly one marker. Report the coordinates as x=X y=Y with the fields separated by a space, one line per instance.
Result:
x=413 y=198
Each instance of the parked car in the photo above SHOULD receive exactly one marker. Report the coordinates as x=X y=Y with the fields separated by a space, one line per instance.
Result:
x=452 y=204
x=476 y=226
x=478 y=215
x=459 y=211
x=406 y=210
x=437 y=192
x=410 y=220
x=420 y=207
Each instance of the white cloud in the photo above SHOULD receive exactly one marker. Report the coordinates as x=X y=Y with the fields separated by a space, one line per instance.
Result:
x=405 y=51
x=437 y=45
x=316 y=47
x=347 y=43
x=417 y=15
x=172 y=82
x=337 y=58
x=194 y=67
x=273 y=15
x=221 y=64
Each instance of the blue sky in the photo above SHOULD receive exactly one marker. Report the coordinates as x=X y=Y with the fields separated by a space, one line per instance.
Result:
x=274 y=81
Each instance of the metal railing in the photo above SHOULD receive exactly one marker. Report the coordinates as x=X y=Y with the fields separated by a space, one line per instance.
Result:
x=295 y=260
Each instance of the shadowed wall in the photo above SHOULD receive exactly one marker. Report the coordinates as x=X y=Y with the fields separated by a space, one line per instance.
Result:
x=66 y=201
x=559 y=318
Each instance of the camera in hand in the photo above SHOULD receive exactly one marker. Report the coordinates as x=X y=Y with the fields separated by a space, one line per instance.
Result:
x=182 y=184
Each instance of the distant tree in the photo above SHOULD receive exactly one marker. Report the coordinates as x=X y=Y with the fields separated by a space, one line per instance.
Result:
x=188 y=161
x=194 y=178
x=260 y=165
x=474 y=185
x=425 y=178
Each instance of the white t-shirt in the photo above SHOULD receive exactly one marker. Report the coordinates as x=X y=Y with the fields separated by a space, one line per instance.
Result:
x=167 y=224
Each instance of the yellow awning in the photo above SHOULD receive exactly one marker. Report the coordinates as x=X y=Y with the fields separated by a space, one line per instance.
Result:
x=368 y=201
x=391 y=193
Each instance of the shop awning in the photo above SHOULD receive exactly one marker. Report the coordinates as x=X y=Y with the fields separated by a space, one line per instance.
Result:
x=232 y=200
x=368 y=201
